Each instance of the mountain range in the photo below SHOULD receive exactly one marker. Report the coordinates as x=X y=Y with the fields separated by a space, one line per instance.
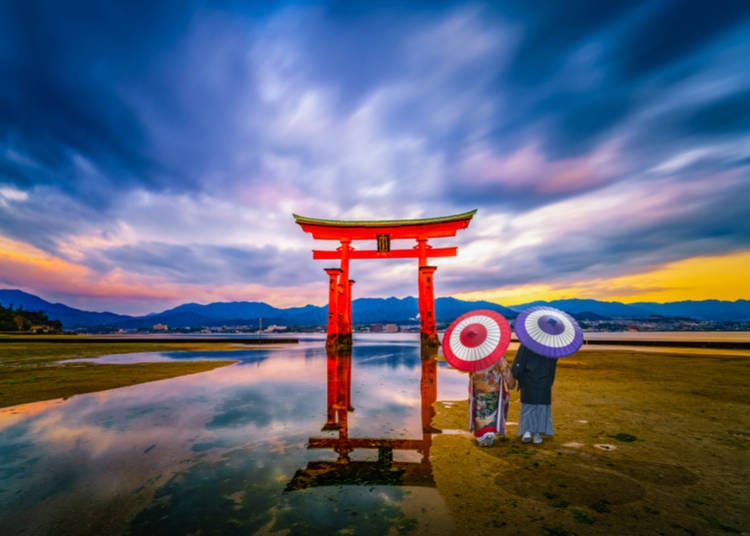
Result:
x=364 y=310
x=716 y=310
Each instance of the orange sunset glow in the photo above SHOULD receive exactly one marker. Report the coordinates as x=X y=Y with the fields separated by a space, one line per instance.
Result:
x=701 y=278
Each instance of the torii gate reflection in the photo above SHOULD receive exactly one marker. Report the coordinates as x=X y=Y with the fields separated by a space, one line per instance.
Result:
x=339 y=350
x=384 y=471
x=382 y=232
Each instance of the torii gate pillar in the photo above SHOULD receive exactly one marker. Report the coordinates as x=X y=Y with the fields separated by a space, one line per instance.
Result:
x=334 y=300
x=427 y=323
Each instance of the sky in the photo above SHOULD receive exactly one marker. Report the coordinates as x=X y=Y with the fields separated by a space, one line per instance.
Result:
x=153 y=153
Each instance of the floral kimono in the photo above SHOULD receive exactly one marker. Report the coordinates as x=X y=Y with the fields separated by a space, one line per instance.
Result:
x=489 y=397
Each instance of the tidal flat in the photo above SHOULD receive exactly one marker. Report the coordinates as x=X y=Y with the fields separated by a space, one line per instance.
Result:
x=32 y=371
x=646 y=442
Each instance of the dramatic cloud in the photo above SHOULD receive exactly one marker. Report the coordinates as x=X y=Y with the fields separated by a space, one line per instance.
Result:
x=152 y=154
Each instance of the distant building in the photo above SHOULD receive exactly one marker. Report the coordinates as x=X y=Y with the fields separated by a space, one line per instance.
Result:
x=160 y=327
x=390 y=328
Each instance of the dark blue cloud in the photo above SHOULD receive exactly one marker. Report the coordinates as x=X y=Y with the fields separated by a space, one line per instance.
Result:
x=728 y=115
x=141 y=93
x=579 y=121
x=628 y=44
x=668 y=30
x=553 y=29
x=151 y=94
x=64 y=64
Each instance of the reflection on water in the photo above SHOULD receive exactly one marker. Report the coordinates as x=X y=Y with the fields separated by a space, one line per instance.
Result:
x=289 y=439
x=385 y=470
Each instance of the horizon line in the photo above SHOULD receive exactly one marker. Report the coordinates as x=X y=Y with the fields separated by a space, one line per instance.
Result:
x=378 y=298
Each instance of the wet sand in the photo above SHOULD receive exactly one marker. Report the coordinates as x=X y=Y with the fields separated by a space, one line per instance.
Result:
x=645 y=441
x=33 y=371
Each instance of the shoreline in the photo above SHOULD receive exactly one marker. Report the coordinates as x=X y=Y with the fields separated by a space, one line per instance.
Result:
x=718 y=345
x=30 y=371
x=99 y=339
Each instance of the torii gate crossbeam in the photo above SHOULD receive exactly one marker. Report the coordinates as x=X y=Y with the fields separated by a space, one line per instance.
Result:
x=382 y=232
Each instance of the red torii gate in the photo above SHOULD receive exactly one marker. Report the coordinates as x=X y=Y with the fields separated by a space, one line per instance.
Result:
x=382 y=232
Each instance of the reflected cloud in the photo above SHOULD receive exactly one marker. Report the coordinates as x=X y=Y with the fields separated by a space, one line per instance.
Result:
x=217 y=447
x=386 y=470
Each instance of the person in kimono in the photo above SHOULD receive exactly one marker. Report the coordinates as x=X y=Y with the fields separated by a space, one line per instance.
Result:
x=535 y=375
x=489 y=397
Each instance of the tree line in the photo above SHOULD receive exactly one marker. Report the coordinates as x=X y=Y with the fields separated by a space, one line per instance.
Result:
x=22 y=320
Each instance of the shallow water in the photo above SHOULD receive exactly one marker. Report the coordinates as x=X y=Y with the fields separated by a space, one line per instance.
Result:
x=237 y=450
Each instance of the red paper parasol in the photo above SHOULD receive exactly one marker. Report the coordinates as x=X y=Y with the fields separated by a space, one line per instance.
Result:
x=476 y=340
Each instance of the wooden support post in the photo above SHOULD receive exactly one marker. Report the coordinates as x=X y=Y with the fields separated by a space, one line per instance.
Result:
x=428 y=326
x=422 y=251
x=346 y=288
x=349 y=304
x=334 y=275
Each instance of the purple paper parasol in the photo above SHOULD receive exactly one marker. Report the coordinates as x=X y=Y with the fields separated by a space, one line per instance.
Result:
x=548 y=331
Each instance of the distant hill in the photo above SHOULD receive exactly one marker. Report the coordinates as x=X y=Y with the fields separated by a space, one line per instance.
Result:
x=224 y=310
x=605 y=309
x=405 y=310
x=364 y=311
x=589 y=317
x=698 y=310
x=448 y=309
x=71 y=318
x=701 y=310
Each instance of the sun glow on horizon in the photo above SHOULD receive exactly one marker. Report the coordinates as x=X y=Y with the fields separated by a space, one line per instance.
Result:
x=53 y=278
x=721 y=277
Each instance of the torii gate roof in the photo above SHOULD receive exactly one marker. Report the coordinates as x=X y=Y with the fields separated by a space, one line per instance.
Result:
x=369 y=229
